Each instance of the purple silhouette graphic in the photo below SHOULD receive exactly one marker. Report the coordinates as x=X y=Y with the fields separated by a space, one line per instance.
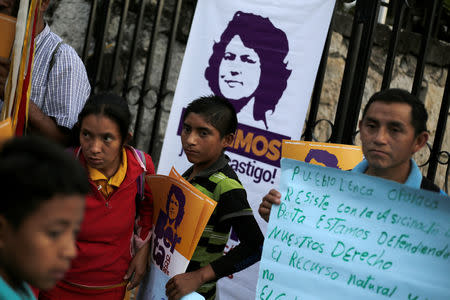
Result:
x=248 y=63
x=165 y=231
x=323 y=157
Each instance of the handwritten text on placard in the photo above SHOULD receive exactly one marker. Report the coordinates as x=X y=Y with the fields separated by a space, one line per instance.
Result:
x=342 y=235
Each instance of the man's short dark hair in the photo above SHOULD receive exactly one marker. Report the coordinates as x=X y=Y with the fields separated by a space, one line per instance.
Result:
x=419 y=115
x=32 y=171
x=217 y=111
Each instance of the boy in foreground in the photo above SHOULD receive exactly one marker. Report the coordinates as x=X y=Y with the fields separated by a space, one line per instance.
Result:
x=209 y=126
x=41 y=209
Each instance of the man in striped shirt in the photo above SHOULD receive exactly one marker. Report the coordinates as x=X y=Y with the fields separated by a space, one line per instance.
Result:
x=59 y=86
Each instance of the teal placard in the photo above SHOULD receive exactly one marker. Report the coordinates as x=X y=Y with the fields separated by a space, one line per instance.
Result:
x=345 y=235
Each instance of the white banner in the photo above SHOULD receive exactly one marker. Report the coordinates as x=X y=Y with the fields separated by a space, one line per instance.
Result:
x=263 y=56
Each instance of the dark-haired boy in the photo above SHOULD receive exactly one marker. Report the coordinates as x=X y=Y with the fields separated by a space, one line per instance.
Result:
x=209 y=126
x=392 y=128
x=40 y=214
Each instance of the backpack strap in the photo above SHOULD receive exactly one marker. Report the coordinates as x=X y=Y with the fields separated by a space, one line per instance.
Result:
x=140 y=181
x=427 y=184
x=77 y=152
x=52 y=63
x=53 y=59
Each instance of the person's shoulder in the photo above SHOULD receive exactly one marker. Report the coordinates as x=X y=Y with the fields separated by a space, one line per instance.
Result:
x=226 y=181
x=140 y=158
x=55 y=37
x=228 y=171
x=225 y=174
x=68 y=52
x=64 y=57
x=63 y=49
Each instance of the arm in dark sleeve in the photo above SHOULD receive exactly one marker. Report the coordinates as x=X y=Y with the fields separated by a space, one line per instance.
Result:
x=234 y=211
x=143 y=222
x=246 y=253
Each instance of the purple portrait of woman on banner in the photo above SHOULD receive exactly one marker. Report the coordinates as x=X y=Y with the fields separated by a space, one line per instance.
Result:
x=248 y=66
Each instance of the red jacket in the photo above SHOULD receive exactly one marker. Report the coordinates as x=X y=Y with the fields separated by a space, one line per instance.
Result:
x=105 y=242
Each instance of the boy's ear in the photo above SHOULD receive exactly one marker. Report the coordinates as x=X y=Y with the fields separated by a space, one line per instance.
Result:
x=420 y=141
x=227 y=140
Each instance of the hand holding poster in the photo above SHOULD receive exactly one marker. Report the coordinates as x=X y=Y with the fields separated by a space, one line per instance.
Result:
x=343 y=235
x=180 y=215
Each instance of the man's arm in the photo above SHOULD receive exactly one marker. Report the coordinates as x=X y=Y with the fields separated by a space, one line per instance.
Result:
x=46 y=126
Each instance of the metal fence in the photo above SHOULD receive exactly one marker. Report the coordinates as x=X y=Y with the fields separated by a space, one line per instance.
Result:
x=361 y=41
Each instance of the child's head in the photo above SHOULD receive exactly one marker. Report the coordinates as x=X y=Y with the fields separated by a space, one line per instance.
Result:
x=103 y=124
x=216 y=111
x=209 y=125
x=43 y=190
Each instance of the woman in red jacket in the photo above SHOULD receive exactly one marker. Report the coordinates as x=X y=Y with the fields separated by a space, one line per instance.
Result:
x=113 y=242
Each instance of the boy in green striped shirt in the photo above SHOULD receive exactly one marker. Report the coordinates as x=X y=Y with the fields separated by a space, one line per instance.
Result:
x=209 y=126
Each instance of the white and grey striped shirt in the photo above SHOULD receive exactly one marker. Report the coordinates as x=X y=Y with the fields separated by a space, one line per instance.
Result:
x=60 y=94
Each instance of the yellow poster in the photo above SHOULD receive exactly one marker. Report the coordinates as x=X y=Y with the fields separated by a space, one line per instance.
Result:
x=6 y=131
x=344 y=157
x=7 y=33
x=206 y=212
x=173 y=228
x=181 y=213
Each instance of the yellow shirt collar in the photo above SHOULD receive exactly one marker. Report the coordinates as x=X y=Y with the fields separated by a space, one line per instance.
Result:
x=117 y=179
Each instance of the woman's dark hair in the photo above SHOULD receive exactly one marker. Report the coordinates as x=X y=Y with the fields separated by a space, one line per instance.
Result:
x=178 y=194
x=112 y=106
x=32 y=171
x=271 y=45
